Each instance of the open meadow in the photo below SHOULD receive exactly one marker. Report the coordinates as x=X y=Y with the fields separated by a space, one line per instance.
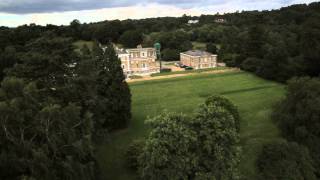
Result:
x=252 y=95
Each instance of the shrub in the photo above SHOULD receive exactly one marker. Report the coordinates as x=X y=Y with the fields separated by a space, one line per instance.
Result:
x=165 y=70
x=133 y=153
x=136 y=77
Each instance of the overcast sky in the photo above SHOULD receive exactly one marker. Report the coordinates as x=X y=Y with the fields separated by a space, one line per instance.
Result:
x=18 y=12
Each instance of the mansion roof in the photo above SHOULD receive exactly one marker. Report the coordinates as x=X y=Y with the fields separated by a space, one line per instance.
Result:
x=197 y=53
x=139 y=49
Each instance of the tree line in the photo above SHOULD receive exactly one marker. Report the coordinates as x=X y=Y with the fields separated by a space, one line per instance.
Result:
x=55 y=104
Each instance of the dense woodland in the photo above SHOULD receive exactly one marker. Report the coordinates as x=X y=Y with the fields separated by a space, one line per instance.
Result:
x=57 y=103
x=55 y=106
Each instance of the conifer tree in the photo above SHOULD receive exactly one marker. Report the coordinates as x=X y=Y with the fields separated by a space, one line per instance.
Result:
x=113 y=91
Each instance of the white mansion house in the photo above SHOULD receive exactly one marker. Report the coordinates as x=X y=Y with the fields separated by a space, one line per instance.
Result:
x=138 y=61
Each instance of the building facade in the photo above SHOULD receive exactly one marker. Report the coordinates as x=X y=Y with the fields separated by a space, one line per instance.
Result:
x=198 y=59
x=193 y=21
x=139 y=61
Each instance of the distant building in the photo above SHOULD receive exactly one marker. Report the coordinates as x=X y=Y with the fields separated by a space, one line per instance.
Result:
x=138 y=61
x=198 y=59
x=220 y=20
x=193 y=21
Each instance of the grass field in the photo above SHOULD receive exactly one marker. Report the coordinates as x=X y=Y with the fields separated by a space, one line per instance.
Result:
x=199 y=45
x=79 y=44
x=253 y=96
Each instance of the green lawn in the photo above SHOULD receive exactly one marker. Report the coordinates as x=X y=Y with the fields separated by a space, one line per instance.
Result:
x=202 y=45
x=79 y=44
x=199 y=45
x=253 y=96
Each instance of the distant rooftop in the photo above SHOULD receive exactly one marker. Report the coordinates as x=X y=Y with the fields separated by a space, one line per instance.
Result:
x=197 y=53
x=193 y=21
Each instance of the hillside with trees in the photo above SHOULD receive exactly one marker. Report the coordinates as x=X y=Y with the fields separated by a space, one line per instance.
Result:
x=59 y=103
x=277 y=44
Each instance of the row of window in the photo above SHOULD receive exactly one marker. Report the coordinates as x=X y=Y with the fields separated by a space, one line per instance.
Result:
x=206 y=59
x=143 y=54
x=143 y=65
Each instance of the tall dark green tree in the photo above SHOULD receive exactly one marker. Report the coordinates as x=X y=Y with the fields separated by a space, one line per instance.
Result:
x=113 y=91
x=254 y=43
x=212 y=48
x=8 y=58
x=75 y=29
x=310 y=46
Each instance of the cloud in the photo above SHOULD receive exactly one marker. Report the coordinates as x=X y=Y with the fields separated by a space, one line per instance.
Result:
x=63 y=18
x=48 y=6
x=62 y=12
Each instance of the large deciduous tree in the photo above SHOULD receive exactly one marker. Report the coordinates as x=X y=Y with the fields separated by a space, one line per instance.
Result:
x=45 y=132
x=298 y=115
x=169 y=150
x=41 y=139
x=216 y=124
x=202 y=147
x=284 y=160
